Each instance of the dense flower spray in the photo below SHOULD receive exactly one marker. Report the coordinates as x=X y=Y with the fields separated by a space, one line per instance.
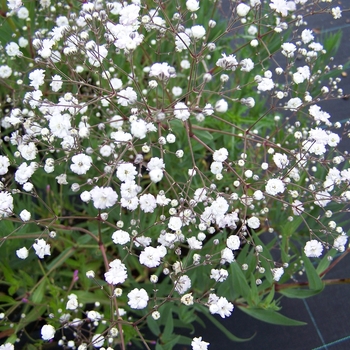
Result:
x=166 y=171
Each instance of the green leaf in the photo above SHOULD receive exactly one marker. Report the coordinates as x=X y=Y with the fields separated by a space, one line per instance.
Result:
x=219 y=325
x=271 y=316
x=31 y=316
x=169 y=322
x=153 y=326
x=314 y=279
x=326 y=261
x=39 y=292
x=254 y=291
x=298 y=293
x=239 y=281
x=270 y=296
x=61 y=258
x=184 y=340
x=169 y=344
x=8 y=300
x=159 y=347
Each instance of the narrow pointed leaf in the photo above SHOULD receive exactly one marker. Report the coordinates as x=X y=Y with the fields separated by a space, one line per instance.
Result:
x=271 y=316
x=314 y=279
x=298 y=293
x=222 y=328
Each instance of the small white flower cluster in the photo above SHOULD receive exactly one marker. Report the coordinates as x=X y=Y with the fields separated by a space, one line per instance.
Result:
x=166 y=172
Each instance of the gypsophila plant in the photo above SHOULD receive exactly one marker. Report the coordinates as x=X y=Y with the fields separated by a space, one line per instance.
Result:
x=163 y=159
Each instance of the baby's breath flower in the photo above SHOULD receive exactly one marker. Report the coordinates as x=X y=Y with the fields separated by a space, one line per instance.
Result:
x=47 y=332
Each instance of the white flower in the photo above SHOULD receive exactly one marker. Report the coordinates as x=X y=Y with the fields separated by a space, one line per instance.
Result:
x=12 y=49
x=6 y=204
x=183 y=284
x=156 y=175
x=7 y=346
x=306 y=36
x=194 y=243
x=221 y=106
x=56 y=83
x=187 y=299
x=181 y=111
x=29 y=151
x=258 y=195
x=25 y=215
x=41 y=248
x=227 y=256
x=216 y=167
x=266 y=84
x=302 y=74
x=5 y=71
x=129 y=15
x=242 y=10
x=319 y=115
x=23 y=173
x=219 y=207
x=85 y=196
x=147 y=203
x=126 y=172
x=222 y=307
x=22 y=253
x=90 y=274
x=81 y=164
x=117 y=272
x=126 y=97
x=162 y=71
x=297 y=207
x=280 y=6
x=46 y=48
x=72 y=303
x=4 y=165
x=103 y=197
x=47 y=332
x=116 y=83
x=277 y=273
x=339 y=242
x=253 y=222
x=182 y=42
x=150 y=257
x=322 y=198
x=233 y=242
x=37 y=78
x=93 y=315
x=14 y=5
x=246 y=65
x=227 y=62
x=288 y=49
x=97 y=340
x=192 y=5
x=313 y=249
x=155 y=163
x=96 y=53
x=274 y=186
x=138 y=299
x=220 y=155
x=199 y=344
x=106 y=150
x=336 y=12
x=138 y=128
x=218 y=275
x=198 y=32
x=120 y=237
x=280 y=160
x=175 y=223
x=60 y=125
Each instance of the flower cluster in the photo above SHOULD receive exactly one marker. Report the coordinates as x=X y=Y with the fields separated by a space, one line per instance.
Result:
x=138 y=151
